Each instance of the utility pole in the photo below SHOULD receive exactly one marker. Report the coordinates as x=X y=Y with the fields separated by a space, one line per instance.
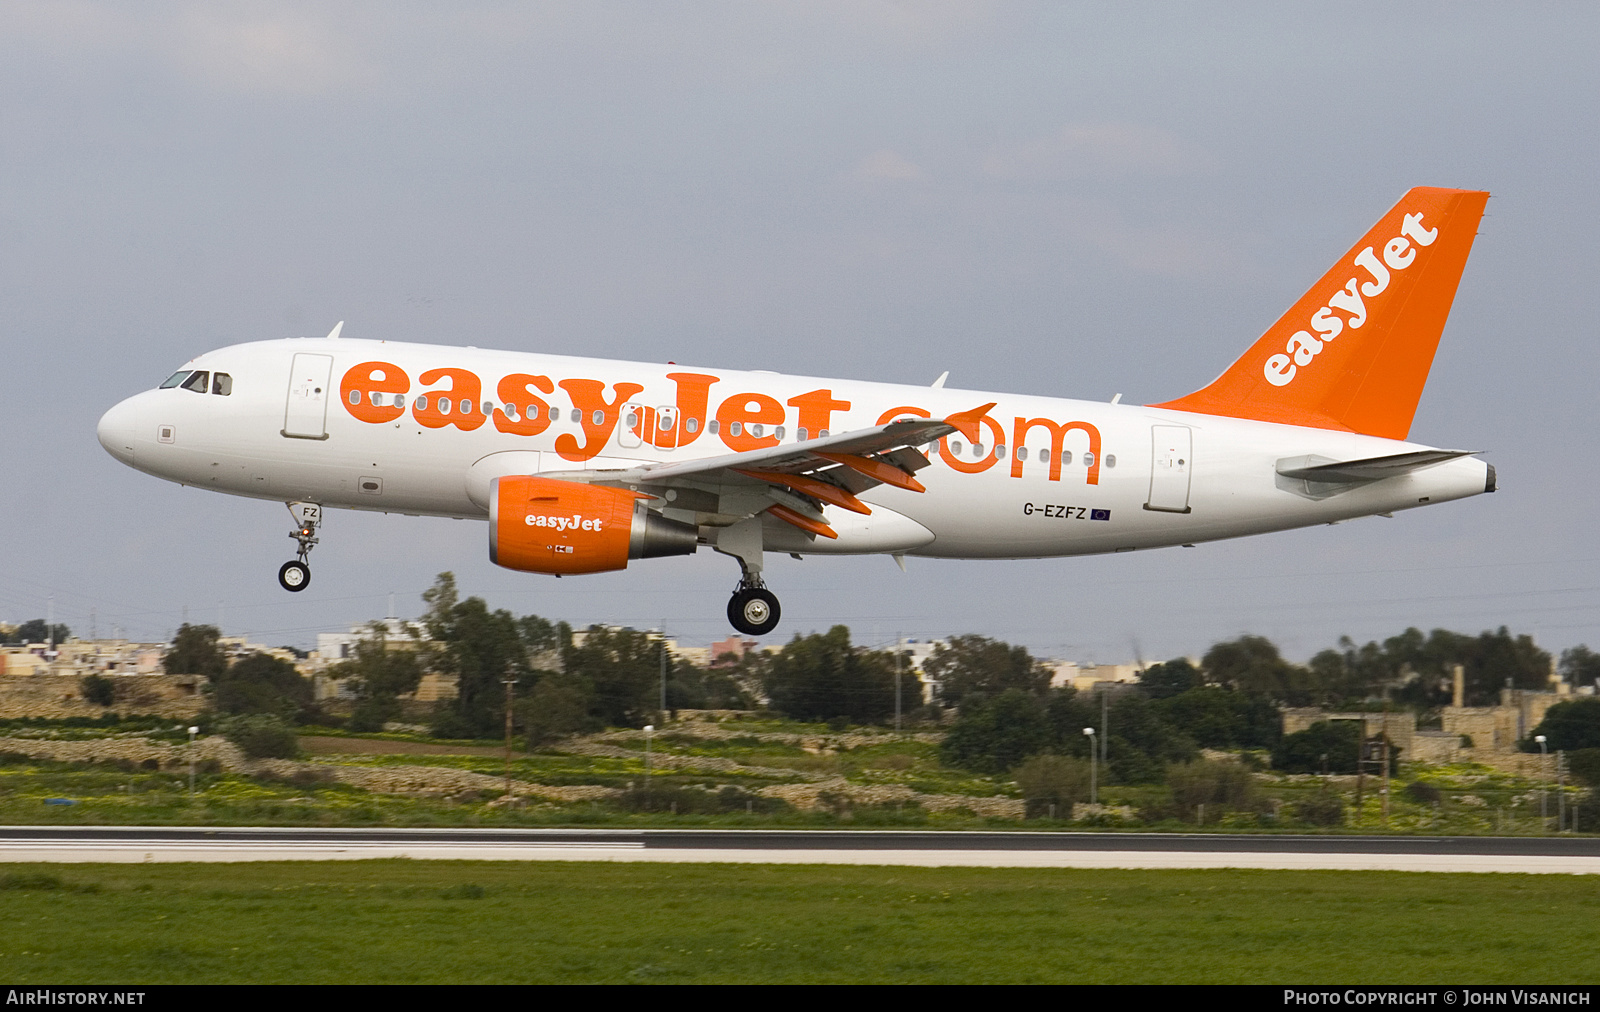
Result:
x=1105 y=720
x=663 y=671
x=1384 y=733
x=896 y=683
x=1561 y=790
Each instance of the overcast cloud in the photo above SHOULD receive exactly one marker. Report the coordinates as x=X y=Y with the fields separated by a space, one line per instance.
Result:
x=1070 y=199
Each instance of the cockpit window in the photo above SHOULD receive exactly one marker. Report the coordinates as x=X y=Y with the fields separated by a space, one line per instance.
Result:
x=222 y=384
x=175 y=379
x=197 y=381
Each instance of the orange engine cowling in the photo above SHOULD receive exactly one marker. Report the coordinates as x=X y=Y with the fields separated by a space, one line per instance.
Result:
x=543 y=525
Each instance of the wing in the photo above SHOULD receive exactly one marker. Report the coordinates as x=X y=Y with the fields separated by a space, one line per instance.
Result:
x=790 y=481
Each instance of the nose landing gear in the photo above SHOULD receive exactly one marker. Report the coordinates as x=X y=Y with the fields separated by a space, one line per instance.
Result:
x=296 y=576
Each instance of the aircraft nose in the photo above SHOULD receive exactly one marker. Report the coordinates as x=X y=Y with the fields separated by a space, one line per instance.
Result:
x=117 y=429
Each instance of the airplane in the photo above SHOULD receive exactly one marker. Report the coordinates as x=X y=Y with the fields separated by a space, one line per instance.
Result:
x=583 y=465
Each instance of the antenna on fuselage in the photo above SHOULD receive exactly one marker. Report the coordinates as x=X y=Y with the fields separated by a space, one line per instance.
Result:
x=333 y=335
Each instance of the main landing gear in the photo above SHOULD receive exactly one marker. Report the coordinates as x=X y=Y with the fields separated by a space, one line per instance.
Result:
x=753 y=609
x=296 y=576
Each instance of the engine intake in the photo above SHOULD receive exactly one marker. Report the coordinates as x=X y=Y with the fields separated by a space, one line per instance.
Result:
x=545 y=525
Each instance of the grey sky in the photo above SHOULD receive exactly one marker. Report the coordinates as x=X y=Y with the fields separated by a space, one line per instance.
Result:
x=1047 y=198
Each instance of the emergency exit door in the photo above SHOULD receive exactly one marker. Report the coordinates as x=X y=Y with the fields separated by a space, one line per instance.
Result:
x=1170 y=467
x=305 y=416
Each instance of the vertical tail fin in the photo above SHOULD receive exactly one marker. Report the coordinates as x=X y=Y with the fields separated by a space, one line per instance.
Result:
x=1354 y=352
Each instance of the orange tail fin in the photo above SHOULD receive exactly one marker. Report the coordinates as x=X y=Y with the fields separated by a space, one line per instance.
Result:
x=1354 y=352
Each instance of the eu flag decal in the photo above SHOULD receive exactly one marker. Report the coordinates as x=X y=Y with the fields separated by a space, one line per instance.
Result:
x=1099 y=514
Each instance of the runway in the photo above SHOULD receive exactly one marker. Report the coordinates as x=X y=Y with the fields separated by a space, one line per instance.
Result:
x=1539 y=855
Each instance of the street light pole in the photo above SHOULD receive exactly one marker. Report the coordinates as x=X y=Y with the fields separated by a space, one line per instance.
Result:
x=508 y=683
x=1094 y=766
x=192 y=732
x=663 y=669
x=649 y=729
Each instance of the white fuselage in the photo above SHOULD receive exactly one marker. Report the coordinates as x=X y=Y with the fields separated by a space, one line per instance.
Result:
x=1136 y=478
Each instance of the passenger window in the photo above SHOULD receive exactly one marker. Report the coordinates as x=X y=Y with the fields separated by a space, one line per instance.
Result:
x=355 y=397
x=778 y=432
x=955 y=447
x=1000 y=452
x=1088 y=459
x=421 y=403
x=691 y=425
x=466 y=407
x=222 y=384
x=599 y=417
x=800 y=434
x=488 y=407
x=711 y=426
x=577 y=415
x=197 y=381
x=174 y=379
x=757 y=430
x=1022 y=453
x=399 y=400
x=734 y=428
x=1111 y=460
x=555 y=413
x=1066 y=456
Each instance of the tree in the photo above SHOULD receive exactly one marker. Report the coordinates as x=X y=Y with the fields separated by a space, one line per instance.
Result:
x=977 y=664
x=98 y=690
x=1220 y=786
x=1139 y=743
x=623 y=670
x=1580 y=666
x=1162 y=681
x=379 y=672
x=36 y=630
x=995 y=735
x=1216 y=718
x=195 y=651
x=559 y=706
x=1052 y=782
x=480 y=648
x=262 y=736
x=261 y=684
x=1334 y=742
x=1252 y=665
x=1572 y=725
x=821 y=677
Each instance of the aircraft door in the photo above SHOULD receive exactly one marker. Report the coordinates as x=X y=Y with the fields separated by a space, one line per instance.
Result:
x=1169 y=470
x=306 y=414
x=666 y=436
x=633 y=423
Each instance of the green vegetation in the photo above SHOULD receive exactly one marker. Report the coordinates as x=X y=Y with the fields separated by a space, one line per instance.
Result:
x=412 y=922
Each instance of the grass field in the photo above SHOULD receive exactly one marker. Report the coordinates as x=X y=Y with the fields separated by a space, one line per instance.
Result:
x=446 y=922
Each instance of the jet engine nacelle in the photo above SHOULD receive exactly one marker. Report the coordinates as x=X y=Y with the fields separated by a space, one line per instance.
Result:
x=544 y=525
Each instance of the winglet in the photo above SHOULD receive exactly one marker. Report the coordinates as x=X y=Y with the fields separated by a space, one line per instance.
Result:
x=1354 y=353
x=967 y=422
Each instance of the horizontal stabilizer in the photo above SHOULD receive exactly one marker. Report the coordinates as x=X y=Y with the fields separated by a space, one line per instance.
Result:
x=1367 y=469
